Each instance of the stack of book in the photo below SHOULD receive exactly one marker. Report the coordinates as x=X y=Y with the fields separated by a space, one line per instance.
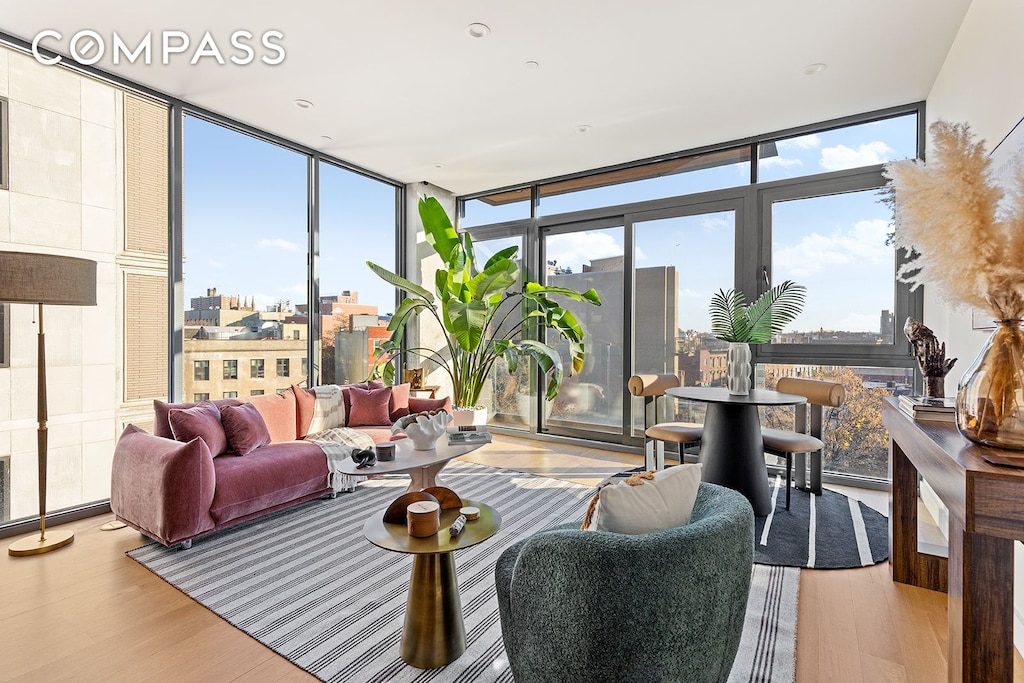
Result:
x=927 y=408
x=471 y=434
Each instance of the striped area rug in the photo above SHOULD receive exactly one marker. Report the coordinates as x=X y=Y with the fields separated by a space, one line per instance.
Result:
x=830 y=531
x=307 y=584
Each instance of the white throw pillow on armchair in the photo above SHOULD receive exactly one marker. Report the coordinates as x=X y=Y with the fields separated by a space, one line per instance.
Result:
x=647 y=501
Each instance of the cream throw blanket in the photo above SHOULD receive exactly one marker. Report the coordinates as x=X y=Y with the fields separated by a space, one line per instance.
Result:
x=328 y=431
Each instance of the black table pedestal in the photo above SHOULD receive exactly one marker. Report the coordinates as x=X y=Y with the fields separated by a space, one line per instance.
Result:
x=733 y=454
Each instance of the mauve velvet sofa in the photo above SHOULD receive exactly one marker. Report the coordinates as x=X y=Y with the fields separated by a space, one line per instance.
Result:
x=174 y=490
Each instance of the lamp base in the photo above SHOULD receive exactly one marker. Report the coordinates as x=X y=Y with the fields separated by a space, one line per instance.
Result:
x=31 y=545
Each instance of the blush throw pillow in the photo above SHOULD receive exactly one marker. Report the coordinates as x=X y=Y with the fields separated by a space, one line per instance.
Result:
x=202 y=420
x=640 y=505
x=399 y=404
x=278 y=411
x=244 y=427
x=369 y=407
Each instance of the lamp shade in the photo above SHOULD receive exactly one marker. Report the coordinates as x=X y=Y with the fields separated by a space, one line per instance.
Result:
x=46 y=279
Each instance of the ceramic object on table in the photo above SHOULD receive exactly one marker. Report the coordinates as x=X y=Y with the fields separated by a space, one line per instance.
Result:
x=425 y=430
x=738 y=368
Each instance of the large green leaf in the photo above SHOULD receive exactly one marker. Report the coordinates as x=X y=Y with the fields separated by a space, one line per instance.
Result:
x=547 y=359
x=590 y=296
x=468 y=320
x=506 y=254
x=495 y=279
x=439 y=230
x=400 y=282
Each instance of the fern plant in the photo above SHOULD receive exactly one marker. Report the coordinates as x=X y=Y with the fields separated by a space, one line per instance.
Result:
x=734 y=321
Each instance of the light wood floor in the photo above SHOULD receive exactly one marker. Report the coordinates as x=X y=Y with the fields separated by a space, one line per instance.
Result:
x=88 y=613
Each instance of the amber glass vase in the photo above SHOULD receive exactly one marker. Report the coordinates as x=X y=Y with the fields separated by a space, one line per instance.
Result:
x=990 y=398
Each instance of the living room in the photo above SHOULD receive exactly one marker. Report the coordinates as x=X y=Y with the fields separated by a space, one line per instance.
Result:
x=563 y=145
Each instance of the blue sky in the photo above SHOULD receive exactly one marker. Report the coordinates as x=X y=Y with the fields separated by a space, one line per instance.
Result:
x=245 y=226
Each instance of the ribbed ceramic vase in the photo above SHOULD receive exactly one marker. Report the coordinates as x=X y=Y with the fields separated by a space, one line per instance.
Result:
x=737 y=368
x=990 y=397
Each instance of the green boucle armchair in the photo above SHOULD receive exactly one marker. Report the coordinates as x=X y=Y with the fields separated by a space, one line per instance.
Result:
x=592 y=606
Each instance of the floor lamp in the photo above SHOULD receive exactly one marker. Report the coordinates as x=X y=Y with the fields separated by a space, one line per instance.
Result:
x=52 y=280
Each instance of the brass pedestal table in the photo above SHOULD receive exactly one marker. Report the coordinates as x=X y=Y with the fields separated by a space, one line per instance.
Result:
x=434 y=634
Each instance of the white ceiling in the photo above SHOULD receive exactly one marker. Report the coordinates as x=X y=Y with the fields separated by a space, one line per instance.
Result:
x=401 y=88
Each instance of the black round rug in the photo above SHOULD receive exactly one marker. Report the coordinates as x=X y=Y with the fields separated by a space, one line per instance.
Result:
x=829 y=531
x=846 y=533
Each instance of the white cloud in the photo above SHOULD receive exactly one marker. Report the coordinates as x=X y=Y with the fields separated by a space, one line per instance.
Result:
x=578 y=248
x=862 y=244
x=712 y=223
x=841 y=156
x=283 y=245
x=802 y=142
x=784 y=162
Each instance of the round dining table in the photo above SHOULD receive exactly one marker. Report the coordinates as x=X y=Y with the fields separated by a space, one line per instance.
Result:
x=731 y=449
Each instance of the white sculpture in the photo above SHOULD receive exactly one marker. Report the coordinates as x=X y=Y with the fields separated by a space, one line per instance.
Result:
x=424 y=429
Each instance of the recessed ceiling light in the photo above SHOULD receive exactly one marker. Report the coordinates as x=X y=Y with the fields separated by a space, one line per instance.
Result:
x=438 y=165
x=583 y=128
x=477 y=30
x=532 y=64
x=815 y=68
x=303 y=104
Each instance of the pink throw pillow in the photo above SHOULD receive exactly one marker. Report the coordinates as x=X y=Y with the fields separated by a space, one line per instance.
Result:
x=369 y=407
x=244 y=427
x=419 y=405
x=202 y=420
x=399 y=404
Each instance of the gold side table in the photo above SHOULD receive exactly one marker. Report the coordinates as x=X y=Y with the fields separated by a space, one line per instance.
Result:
x=434 y=634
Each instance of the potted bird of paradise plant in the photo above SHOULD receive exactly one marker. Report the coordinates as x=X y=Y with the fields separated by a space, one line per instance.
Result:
x=487 y=313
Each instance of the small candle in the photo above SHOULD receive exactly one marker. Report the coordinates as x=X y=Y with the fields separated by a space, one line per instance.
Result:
x=470 y=513
x=423 y=518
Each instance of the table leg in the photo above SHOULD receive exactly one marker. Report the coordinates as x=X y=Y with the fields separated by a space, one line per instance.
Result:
x=733 y=454
x=434 y=634
x=980 y=619
x=425 y=477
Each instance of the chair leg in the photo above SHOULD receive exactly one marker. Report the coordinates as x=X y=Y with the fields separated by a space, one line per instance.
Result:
x=789 y=476
x=659 y=455
x=650 y=446
x=815 y=486
x=800 y=463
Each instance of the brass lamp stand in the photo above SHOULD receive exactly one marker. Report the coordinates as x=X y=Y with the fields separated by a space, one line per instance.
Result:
x=55 y=280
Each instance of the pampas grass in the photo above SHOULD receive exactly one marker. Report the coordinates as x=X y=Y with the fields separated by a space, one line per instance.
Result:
x=948 y=217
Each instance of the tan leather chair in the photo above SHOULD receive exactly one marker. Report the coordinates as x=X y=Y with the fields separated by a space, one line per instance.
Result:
x=650 y=387
x=807 y=435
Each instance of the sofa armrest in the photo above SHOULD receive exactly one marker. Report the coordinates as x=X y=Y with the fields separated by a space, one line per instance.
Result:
x=163 y=488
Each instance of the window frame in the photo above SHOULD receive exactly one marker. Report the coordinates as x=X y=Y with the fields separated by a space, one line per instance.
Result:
x=233 y=375
x=201 y=364
x=4 y=145
x=255 y=363
x=287 y=367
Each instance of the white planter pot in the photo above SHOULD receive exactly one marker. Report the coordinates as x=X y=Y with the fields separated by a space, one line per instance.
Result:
x=463 y=417
x=737 y=376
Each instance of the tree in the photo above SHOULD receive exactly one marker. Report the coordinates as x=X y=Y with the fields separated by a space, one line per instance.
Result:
x=855 y=440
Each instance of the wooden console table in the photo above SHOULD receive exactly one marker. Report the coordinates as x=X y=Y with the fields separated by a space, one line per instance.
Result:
x=986 y=514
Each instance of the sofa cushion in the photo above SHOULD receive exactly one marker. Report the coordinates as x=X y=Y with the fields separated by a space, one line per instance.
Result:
x=369 y=407
x=647 y=502
x=161 y=409
x=422 y=405
x=278 y=411
x=162 y=487
x=244 y=427
x=267 y=477
x=399 y=403
x=305 y=399
x=201 y=420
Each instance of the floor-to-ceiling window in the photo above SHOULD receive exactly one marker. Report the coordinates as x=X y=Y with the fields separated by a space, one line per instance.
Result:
x=808 y=210
x=357 y=224
x=245 y=261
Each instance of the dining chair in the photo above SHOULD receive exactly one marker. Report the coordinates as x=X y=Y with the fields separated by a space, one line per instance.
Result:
x=650 y=387
x=806 y=438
